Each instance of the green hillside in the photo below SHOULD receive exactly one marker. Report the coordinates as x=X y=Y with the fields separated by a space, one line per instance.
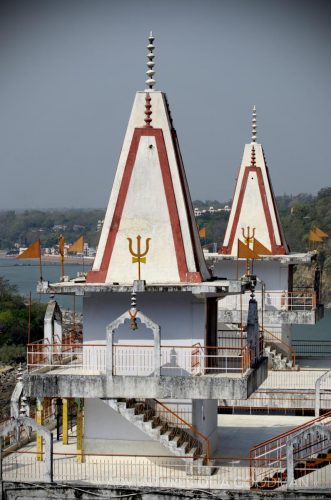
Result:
x=298 y=215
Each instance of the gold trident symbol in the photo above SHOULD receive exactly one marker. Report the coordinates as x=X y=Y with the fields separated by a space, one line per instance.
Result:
x=139 y=256
x=248 y=236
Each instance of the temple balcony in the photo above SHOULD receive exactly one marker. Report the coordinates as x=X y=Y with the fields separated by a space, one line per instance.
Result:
x=275 y=306
x=281 y=300
x=144 y=370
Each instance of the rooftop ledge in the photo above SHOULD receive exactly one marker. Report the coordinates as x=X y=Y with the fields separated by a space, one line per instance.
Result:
x=291 y=258
x=78 y=286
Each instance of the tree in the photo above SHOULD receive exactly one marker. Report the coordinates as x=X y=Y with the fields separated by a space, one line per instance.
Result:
x=14 y=317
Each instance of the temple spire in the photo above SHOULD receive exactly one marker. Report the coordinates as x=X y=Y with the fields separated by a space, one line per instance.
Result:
x=254 y=132
x=150 y=82
x=254 y=205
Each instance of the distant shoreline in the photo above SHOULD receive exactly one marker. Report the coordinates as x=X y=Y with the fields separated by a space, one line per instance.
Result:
x=54 y=259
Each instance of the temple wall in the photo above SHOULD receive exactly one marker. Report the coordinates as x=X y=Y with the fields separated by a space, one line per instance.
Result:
x=181 y=317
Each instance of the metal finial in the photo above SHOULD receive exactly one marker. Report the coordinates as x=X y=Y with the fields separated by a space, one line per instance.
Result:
x=150 y=62
x=254 y=132
x=148 y=110
x=133 y=300
x=19 y=374
x=253 y=157
x=133 y=311
x=23 y=406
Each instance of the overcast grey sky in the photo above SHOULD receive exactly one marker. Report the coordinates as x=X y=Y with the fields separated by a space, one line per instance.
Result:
x=69 y=71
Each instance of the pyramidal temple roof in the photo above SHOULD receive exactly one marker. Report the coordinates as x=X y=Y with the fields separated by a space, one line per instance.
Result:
x=149 y=231
x=254 y=210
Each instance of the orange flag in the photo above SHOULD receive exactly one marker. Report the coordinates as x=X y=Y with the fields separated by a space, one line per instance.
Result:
x=32 y=252
x=320 y=233
x=244 y=252
x=313 y=236
x=78 y=245
x=61 y=247
x=259 y=248
x=202 y=232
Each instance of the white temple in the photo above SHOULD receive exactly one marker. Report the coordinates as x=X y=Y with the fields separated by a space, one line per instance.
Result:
x=166 y=343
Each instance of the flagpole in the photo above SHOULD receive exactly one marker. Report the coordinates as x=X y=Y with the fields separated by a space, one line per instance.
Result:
x=74 y=318
x=40 y=266
x=29 y=320
x=61 y=252
x=62 y=265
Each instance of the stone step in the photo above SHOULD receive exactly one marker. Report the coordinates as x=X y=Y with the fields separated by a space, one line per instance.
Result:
x=176 y=440
x=279 y=359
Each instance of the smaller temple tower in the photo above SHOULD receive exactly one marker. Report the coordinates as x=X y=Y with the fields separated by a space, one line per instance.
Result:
x=254 y=215
x=254 y=244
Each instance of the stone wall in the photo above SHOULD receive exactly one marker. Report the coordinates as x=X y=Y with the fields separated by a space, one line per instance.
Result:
x=8 y=381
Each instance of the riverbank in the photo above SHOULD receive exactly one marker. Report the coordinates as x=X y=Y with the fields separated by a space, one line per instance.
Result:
x=49 y=259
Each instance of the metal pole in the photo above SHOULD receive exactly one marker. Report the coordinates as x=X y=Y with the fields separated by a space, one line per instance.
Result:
x=1 y=462
x=65 y=420
x=39 y=420
x=1 y=483
x=74 y=319
x=29 y=320
x=58 y=417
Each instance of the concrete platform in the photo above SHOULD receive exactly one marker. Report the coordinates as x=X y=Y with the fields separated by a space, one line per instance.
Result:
x=236 y=435
x=228 y=385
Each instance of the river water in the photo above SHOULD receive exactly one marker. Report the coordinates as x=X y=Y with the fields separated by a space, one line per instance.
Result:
x=25 y=275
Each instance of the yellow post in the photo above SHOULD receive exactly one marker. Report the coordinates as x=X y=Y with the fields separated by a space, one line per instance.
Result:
x=80 y=430
x=39 y=420
x=65 y=420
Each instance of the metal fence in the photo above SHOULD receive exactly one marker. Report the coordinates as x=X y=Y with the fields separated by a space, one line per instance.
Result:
x=130 y=470
x=269 y=460
x=302 y=379
x=235 y=473
x=312 y=348
x=130 y=360
x=273 y=300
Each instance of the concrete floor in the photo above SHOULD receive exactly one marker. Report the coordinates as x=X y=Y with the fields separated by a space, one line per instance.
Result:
x=238 y=433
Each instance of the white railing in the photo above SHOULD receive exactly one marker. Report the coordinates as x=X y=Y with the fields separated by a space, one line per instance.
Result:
x=89 y=357
x=179 y=360
x=302 y=379
x=139 y=360
x=165 y=472
x=130 y=470
x=279 y=300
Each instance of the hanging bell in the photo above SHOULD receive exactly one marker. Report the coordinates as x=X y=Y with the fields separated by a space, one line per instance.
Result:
x=133 y=325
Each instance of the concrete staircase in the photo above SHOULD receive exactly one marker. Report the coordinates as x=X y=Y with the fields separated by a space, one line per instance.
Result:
x=278 y=360
x=174 y=438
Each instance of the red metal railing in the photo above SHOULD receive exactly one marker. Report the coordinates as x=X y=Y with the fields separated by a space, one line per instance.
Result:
x=140 y=359
x=179 y=422
x=269 y=457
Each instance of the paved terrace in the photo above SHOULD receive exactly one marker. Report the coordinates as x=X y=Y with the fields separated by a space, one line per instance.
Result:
x=291 y=390
x=236 y=435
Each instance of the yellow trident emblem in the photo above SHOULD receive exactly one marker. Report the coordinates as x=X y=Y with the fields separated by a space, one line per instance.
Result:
x=139 y=256
x=249 y=237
